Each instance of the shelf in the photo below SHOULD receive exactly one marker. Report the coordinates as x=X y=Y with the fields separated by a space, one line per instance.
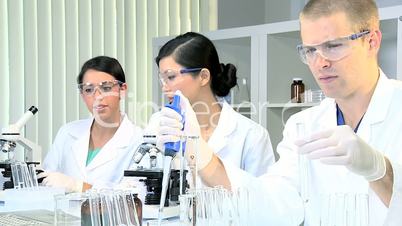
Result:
x=292 y=105
x=243 y=105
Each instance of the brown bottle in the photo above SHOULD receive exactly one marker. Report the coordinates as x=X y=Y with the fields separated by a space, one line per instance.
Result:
x=138 y=208
x=297 y=90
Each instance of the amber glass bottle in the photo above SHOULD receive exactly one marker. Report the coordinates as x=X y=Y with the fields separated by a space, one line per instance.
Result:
x=297 y=90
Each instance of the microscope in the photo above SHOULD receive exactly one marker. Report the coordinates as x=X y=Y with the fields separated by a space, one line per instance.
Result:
x=152 y=179
x=20 y=175
x=148 y=146
x=10 y=137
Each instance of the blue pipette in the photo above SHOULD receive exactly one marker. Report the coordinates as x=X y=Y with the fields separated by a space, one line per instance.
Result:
x=171 y=149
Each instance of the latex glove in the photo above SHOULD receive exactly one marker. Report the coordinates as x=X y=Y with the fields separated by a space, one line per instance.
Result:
x=152 y=127
x=59 y=180
x=341 y=146
x=170 y=130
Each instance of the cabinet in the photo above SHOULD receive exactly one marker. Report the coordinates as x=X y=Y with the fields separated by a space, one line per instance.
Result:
x=267 y=60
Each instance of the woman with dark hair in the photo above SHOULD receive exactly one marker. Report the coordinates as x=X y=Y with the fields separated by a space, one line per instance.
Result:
x=94 y=151
x=190 y=63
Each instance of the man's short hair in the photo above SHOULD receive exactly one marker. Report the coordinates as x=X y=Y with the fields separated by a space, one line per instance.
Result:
x=362 y=14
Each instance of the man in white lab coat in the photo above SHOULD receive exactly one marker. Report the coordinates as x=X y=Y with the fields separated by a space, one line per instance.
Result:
x=352 y=140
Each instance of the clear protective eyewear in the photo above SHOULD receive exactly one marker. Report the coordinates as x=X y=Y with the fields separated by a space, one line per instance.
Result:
x=170 y=75
x=89 y=89
x=332 y=50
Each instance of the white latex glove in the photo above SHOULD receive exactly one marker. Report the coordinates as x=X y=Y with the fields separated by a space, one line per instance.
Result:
x=341 y=146
x=152 y=127
x=59 y=180
x=170 y=130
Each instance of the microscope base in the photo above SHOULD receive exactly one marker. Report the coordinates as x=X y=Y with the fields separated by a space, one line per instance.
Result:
x=151 y=211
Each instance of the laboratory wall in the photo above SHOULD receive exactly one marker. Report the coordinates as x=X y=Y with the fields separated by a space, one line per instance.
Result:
x=239 y=13
x=44 y=43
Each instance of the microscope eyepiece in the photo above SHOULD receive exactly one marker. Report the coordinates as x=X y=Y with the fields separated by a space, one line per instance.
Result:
x=25 y=118
x=148 y=146
x=140 y=152
x=33 y=109
x=7 y=146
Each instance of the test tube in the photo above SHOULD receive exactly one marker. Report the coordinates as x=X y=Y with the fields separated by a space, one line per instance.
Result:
x=362 y=210
x=28 y=177
x=244 y=205
x=192 y=145
x=181 y=152
x=187 y=208
x=18 y=175
x=34 y=178
x=304 y=167
x=94 y=208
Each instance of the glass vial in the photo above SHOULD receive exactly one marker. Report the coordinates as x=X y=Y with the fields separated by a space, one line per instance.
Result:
x=297 y=90
x=138 y=208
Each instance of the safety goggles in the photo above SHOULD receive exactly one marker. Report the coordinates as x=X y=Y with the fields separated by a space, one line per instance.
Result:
x=170 y=76
x=89 y=89
x=332 y=50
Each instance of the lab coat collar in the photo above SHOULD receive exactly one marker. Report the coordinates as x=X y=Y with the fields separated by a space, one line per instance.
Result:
x=378 y=106
x=82 y=130
x=119 y=141
x=226 y=125
x=81 y=145
x=81 y=134
x=376 y=111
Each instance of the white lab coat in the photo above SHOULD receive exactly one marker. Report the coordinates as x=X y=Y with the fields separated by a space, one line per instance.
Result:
x=70 y=148
x=242 y=141
x=277 y=191
x=238 y=140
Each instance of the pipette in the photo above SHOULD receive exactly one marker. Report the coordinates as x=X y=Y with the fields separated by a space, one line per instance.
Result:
x=171 y=148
